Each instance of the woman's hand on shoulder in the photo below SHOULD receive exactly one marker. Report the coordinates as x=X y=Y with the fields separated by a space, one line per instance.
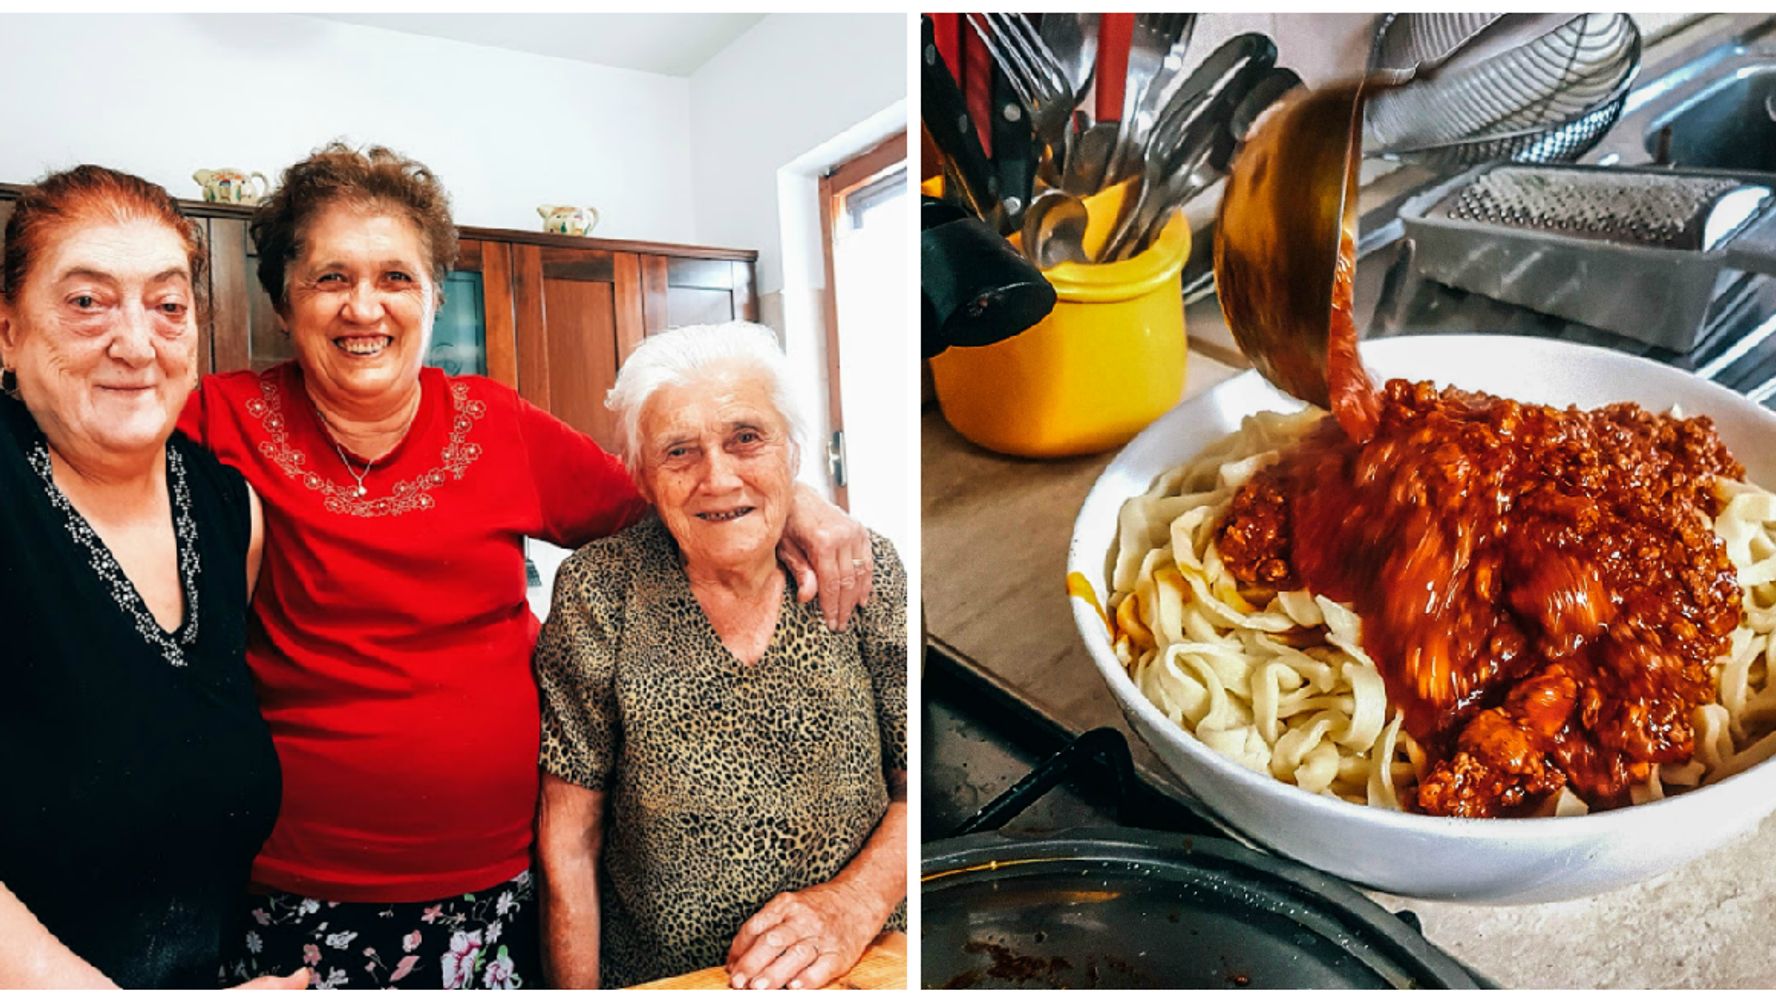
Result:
x=803 y=940
x=297 y=980
x=828 y=551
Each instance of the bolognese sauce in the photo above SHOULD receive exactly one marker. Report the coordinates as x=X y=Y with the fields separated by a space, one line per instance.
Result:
x=1541 y=588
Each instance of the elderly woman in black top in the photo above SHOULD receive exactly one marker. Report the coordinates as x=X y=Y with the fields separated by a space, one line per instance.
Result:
x=141 y=779
x=725 y=777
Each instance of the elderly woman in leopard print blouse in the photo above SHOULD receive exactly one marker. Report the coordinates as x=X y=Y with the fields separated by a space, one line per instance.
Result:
x=725 y=778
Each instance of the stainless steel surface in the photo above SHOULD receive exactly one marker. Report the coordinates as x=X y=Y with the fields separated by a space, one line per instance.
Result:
x=1540 y=96
x=1088 y=155
x=1568 y=240
x=1182 y=188
x=1737 y=343
x=1036 y=75
x=1191 y=129
x=1073 y=40
x=1054 y=229
x=1646 y=208
x=1706 y=102
x=1158 y=44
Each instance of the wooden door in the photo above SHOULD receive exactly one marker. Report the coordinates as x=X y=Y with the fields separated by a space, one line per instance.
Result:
x=574 y=307
x=874 y=166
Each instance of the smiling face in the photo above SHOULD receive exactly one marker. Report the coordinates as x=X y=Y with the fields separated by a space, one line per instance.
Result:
x=717 y=461
x=103 y=335
x=361 y=304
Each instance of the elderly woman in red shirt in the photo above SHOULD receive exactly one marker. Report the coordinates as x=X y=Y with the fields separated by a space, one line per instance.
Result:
x=393 y=640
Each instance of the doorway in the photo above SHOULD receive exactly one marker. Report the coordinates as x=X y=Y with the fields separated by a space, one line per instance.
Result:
x=865 y=216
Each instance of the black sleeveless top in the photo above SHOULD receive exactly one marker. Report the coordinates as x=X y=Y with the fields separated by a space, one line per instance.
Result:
x=138 y=778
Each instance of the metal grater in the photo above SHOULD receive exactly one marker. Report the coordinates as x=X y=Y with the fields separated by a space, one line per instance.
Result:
x=1639 y=252
x=1643 y=208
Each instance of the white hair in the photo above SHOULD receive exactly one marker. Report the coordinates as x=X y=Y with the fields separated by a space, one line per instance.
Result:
x=677 y=356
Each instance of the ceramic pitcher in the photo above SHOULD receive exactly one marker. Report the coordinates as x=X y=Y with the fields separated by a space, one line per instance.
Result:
x=234 y=187
x=567 y=220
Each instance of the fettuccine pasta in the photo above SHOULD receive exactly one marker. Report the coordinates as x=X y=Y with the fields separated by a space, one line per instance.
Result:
x=1287 y=689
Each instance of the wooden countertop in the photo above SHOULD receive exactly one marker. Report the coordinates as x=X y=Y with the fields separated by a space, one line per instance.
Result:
x=995 y=549
x=882 y=967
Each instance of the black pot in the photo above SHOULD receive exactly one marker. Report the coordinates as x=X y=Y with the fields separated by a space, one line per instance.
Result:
x=1123 y=907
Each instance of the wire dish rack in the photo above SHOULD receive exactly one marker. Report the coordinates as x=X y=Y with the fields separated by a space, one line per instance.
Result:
x=1548 y=100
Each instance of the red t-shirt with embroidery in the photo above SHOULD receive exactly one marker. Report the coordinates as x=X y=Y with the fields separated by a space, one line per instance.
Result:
x=392 y=640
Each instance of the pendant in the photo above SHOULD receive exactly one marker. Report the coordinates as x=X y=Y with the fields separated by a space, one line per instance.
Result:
x=361 y=490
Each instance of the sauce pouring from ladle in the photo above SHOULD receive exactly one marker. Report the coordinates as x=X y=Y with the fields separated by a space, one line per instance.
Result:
x=1286 y=249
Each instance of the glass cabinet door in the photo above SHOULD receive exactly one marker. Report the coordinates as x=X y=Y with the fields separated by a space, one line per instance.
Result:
x=459 y=337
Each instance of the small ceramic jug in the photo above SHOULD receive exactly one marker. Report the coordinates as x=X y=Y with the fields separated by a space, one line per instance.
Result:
x=568 y=220
x=233 y=187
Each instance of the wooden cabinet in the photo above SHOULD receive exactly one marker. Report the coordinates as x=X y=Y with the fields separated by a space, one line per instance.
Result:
x=551 y=316
x=576 y=308
x=244 y=331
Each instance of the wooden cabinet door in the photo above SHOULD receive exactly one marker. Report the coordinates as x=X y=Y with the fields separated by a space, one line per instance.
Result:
x=245 y=332
x=574 y=307
x=681 y=291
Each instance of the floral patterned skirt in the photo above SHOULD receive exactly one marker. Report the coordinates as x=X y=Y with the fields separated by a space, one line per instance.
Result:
x=479 y=940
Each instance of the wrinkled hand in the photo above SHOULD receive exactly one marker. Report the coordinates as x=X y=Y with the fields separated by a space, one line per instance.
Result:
x=802 y=940
x=297 y=980
x=829 y=554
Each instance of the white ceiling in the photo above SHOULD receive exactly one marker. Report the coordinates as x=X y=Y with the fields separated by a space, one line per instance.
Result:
x=673 y=44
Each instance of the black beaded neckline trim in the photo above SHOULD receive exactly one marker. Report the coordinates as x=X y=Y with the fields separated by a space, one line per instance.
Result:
x=105 y=564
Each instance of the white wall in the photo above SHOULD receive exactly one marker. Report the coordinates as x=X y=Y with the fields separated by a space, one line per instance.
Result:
x=727 y=157
x=794 y=95
x=162 y=95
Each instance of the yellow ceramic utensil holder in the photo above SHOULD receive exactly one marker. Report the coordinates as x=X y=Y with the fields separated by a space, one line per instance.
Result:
x=1107 y=361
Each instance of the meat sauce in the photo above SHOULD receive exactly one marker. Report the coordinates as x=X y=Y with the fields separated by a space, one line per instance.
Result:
x=1354 y=400
x=1541 y=588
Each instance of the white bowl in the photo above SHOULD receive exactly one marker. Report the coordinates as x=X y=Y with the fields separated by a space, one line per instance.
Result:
x=1435 y=857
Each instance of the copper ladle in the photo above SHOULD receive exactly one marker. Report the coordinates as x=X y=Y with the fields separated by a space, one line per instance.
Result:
x=1286 y=237
x=1286 y=240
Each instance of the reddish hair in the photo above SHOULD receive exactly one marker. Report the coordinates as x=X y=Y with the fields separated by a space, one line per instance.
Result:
x=94 y=194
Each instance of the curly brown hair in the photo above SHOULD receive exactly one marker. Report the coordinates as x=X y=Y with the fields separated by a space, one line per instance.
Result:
x=89 y=193
x=375 y=179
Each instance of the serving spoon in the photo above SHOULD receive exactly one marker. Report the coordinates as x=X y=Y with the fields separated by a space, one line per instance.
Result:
x=1054 y=229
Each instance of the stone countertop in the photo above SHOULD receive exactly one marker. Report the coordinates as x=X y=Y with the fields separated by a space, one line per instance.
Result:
x=995 y=543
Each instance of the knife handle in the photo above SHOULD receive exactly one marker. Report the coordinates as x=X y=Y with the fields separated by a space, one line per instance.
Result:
x=945 y=113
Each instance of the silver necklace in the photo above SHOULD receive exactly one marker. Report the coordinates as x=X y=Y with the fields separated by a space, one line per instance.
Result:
x=355 y=474
x=359 y=477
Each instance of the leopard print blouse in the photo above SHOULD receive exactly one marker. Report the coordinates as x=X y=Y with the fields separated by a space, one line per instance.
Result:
x=724 y=784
